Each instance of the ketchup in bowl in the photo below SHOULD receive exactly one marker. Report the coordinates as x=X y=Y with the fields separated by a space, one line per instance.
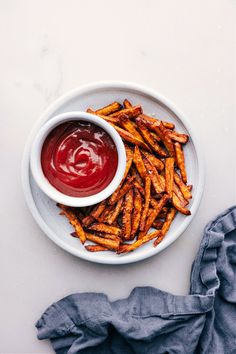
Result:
x=79 y=158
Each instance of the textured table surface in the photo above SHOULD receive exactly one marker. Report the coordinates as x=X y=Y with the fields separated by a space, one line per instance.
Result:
x=183 y=49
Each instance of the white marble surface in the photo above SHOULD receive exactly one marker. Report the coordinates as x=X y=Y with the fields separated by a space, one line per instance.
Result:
x=183 y=49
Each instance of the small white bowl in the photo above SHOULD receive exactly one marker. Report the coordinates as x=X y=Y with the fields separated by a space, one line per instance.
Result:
x=45 y=185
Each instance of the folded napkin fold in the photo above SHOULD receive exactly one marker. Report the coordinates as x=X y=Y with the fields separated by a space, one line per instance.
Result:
x=151 y=321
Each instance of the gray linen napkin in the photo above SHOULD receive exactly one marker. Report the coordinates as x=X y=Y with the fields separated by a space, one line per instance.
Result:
x=151 y=321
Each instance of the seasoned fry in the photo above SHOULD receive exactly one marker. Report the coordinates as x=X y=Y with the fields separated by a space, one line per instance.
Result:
x=155 y=137
x=157 y=180
x=127 y=212
x=97 y=211
x=139 y=162
x=180 y=196
x=74 y=222
x=132 y=112
x=180 y=161
x=158 y=223
x=169 y=218
x=147 y=136
x=125 y=247
x=147 y=202
x=182 y=186
x=126 y=123
x=136 y=212
x=111 y=108
x=108 y=243
x=96 y=248
x=130 y=138
x=88 y=220
x=190 y=187
x=125 y=188
x=134 y=172
x=127 y=103
x=105 y=228
x=148 y=119
x=154 y=215
x=163 y=213
x=154 y=160
x=169 y=175
x=113 y=214
x=181 y=138
x=177 y=204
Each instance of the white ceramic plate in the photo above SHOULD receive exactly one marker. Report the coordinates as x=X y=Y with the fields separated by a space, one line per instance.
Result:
x=97 y=95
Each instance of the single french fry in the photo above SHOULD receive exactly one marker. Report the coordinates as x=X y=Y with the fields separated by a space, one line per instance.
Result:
x=147 y=136
x=181 y=138
x=148 y=119
x=177 y=204
x=155 y=137
x=154 y=215
x=100 y=227
x=132 y=112
x=108 y=243
x=138 y=161
x=157 y=224
x=180 y=161
x=136 y=212
x=126 y=123
x=127 y=104
x=134 y=172
x=113 y=214
x=190 y=187
x=155 y=161
x=169 y=175
x=147 y=202
x=130 y=138
x=169 y=218
x=96 y=248
x=182 y=186
x=127 y=212
x=125 y=247
x=128 y=184
x=87 y=220
x=163 y=213
x=74 y=222
x=180 y=196
x=97 y=211
x=158 y=181
x=109 y=236
x=153 y=202
x=111 y=108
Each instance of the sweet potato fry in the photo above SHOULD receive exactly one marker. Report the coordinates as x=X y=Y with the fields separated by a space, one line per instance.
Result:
x=182 y=186
x=155 y=161
x=132 y=112
x=169 y=218
x=154 y=215
x=155 y=137
x=113 y=214
x=138 y=161
x=190 y=187
x=180 y=161
x=99 y=208
x=96 y=248
x=108 y=243
x=167 y=125
x=125 y=247
x=163 y=213
x=127 y=104
x=181 y=138
x=127 y=212
x=134 y=172
x=128 y=125
x=179 y=194
x=111 y=108
x=147 y=136
x=147 y=202
x=100 y=227
x=128 y=184
x=109 y=119
x=169 y=175
x=88 y=220
x=177 y=204
x=130 y=138
x=74 y=222
x=157 y=224
x=136 y=212
x=156 y=179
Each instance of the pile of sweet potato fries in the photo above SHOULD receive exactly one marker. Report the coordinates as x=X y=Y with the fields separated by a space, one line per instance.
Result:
x=154 y=187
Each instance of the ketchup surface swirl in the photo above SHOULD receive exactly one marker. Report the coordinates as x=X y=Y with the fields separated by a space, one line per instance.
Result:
x=79 y=158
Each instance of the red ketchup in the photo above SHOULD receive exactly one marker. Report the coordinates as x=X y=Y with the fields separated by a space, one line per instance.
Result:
x=79 y=158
